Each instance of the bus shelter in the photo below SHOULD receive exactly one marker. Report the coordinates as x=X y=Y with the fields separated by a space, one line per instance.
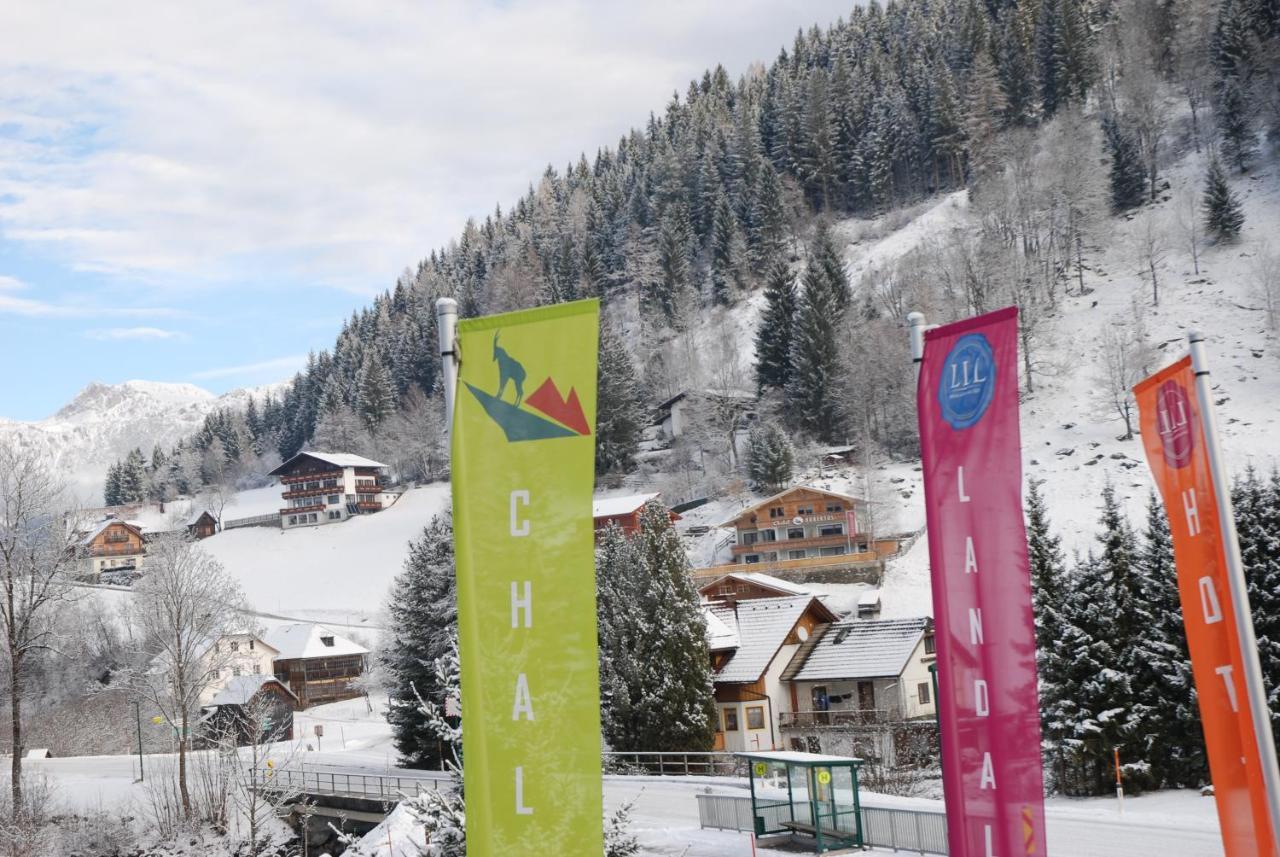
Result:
x=806 y=794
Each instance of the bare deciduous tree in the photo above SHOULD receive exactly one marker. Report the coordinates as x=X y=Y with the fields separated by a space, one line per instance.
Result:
x=1124 y=358
x=36 y=560
x=1150 y=246
x=1264 y=274
x=185 y=604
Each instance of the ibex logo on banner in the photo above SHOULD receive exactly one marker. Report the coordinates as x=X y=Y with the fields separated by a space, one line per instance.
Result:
x=543 y=415
x=968 y=381
x=1173 y=420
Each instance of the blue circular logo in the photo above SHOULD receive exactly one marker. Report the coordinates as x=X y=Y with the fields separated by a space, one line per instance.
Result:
x=968 y=381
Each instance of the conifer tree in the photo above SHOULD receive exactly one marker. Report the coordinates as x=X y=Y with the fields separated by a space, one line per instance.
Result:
x=673 y=263
x=1223 y=216
x=725 y=240
x=1170 y=732
x=424 y=616
x=1128 y=174
x=620 y=588
x=668 y=704
x=770 y=457
x=1257 y=505
x=811 y=390
x=1048 y=579
x=376 y=394
x=777 y=323
x=619 y=405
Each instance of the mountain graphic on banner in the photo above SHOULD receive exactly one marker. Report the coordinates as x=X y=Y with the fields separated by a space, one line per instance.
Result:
x=521 y=425
x=548 y=400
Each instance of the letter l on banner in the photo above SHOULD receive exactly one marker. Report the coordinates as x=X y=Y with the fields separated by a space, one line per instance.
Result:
x=989 y=710
x=523 y=472
x=1174 y=436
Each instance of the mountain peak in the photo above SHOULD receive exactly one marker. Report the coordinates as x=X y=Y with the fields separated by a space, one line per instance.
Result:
x=98 y=399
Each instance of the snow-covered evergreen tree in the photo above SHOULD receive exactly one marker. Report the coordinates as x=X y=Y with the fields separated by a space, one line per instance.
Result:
x=620 y=411
x=777 y=323
x=1257 y=505
x=1128 y=173
x=376 y=394
x=660 y=696
x=424 y=613
x=1223 y=216
x=1049 y=586
x=811 y=390
x=770 y=458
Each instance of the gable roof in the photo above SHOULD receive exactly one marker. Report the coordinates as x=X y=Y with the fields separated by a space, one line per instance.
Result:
x=863 y=649
x=608 y=507
x=720 y=637
x=242 y=688
x=337 y=459
x=195 y=519
x=761 y=625
x=767 y=501
x=767 y=581
x=102 y=526
x=302 y=640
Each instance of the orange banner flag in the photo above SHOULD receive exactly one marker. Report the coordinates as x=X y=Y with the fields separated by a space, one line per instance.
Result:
x=1174 y=438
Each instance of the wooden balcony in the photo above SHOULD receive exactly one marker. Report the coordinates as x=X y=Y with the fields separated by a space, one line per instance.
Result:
x=783 y=545
x=298 y=510
x=312 y=476
x=812 y=563
x=312 y=492
x=369 y=507
x=834 y=719
x=125 y=549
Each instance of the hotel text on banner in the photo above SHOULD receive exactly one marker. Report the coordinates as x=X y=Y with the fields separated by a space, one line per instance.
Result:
x=988 y=708
x=1173 y=435
x=523 y=458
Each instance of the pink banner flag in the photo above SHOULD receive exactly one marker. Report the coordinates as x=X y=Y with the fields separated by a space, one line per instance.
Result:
x=989 y=711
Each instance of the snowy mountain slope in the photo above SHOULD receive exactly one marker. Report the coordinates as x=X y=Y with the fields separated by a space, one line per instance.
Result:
x=1070 y=438
x=105 y=421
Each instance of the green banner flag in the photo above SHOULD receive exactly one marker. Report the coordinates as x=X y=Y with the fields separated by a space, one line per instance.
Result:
x=523 y=459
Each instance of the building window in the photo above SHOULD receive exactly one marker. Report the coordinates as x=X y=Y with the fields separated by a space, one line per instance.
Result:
x=215 y=674
x=795 y=533
x=251 y=645
x=923 y=690
x=750 y=538
x=335 y=499
x=930 y=645
x=768 y=535
x=837 y=551
x=312 y=517
x=796 y=554
x=326 y=641
x=775 y=512
x=335 y=514
x=835 y=507
x=235 y=647
x=235 y=671
x=831 y=530
x=257 y=669
x=731 y=720
x=804 y=510
x=755 y=717
x=751 y=558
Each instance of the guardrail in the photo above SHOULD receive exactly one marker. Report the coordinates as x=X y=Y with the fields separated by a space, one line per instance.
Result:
x=254 y=521
x=677 y=764
x=338 y=784
x=919 y=831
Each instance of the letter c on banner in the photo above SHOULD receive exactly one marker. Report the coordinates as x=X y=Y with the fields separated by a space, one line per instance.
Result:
x=519 y=527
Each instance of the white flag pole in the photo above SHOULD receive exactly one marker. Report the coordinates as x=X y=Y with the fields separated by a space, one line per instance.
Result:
x=1254 y=686
x=915 y=320
x=446 y=324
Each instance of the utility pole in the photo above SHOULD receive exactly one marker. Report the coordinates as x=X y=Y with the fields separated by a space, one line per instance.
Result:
x=446 y=324
x=137 y=710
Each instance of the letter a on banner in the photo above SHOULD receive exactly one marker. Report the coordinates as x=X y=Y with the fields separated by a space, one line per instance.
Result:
x=988 y=706
x=1174 y=439
x=523 y=472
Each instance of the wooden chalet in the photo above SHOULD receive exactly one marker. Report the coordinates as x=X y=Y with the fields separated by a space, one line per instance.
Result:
x=327 y=487
x=316 y=664
x=752 y=643
x=622 y=511
x=250 y=709
x=802 y=529
x=111 y=545
x=203 y=525
x=748 y=586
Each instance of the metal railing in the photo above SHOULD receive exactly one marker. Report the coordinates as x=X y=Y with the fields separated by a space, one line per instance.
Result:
x=849 y=717
x=338 y=784
x=253 y=521
x=919 y=831
x=676 y=764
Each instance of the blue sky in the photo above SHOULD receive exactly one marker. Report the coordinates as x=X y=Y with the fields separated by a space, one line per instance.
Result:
x=201 y=192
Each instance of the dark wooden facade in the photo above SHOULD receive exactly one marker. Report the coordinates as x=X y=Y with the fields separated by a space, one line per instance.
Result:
x=318 y=680
x=204 y=526
x=269 y=714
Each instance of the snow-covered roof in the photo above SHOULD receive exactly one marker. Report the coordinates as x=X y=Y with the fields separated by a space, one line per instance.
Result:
x=242 y=688
x=870 y=598
x=609 y=507
x=337 y=459
x=307 y=640
x=783 y=586
x=796 y=758
x=761 y=625
x=195 y=517
x=720 y=637
x=768 y=500
x=102 y=525
x=863 y=649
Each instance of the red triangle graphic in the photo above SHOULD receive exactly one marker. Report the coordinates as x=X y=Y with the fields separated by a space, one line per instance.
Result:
x=548 y=400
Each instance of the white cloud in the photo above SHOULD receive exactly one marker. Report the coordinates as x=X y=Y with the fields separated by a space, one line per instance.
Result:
x=11 y=284
x=125 y=333
x=35 y=308
x=320 y=140
x=276 y=368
